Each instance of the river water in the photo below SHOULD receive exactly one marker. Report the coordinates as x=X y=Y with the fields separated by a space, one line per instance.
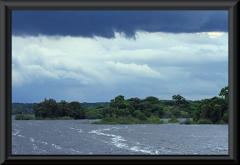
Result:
x=79 y=137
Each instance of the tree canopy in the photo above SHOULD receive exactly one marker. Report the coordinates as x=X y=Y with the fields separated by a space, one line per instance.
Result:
x=210 y=110
x=51 y=109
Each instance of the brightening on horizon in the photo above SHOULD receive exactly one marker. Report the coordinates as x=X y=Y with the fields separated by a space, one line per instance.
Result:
x=93 y=56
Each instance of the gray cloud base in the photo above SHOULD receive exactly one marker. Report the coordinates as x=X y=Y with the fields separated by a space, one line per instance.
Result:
x=99 y=69
x=106 y=23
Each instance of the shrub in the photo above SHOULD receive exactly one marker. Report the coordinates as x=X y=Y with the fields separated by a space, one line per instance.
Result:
x=56 y=118
x=173 y=120
x=128 y=120
x=92 y=115
x=64 y=118
x=204 y=121
x=225 y=117
x=42 y=118
x=187 y=121
x=161 y=122
x=24 y=117
x=221 y=122
x=154 y=120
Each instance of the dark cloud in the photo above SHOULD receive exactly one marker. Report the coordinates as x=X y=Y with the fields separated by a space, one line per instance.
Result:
x=105 y=23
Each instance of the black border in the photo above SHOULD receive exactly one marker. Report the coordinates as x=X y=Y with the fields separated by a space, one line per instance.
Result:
x=5 y=76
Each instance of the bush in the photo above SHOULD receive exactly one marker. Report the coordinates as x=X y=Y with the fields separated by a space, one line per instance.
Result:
x=64 y=118
x=188 y=121
x=56 y=118
x=154 y=120
x=161 y=122
x=173 y=120
x=24 y=117
x=184 y=114
x=225 y=117
x=41 y=118
x=93 y=114
x=141 y=117
x=221 y=122
x=128 y=120
x=204 y=121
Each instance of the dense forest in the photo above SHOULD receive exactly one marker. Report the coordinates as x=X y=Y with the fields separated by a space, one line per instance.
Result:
x=207 y=111
x=27 y=108
x=148 y=110
x=23 y=108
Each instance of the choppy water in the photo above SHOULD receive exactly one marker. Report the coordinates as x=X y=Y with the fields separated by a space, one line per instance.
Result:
x=78 y=137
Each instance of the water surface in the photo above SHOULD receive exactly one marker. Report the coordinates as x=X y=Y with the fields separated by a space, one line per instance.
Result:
x=79 y=137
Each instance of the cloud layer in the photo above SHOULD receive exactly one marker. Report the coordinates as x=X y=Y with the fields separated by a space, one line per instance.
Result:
x=159 y=64
x=106 y=23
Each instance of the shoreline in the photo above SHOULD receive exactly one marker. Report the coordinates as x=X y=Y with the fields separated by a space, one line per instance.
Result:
x=123 y=120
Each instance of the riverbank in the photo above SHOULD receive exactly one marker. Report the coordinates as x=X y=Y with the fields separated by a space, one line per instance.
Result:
x=123 y=120
x=31 y=117
x=129 y=120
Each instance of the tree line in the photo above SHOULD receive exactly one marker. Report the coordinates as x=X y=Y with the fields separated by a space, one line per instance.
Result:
x=51 y=109
x=212 y=110
x=206 y=111
x=22 y=108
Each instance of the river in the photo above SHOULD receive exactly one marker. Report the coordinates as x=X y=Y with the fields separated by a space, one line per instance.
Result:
x=80 y=137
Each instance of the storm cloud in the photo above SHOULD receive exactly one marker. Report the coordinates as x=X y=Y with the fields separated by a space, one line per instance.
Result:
x=93 y=56
x=106 y=23
x=98 y=69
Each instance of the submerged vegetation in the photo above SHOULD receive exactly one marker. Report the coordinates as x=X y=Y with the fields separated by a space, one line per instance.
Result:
x=138 y=111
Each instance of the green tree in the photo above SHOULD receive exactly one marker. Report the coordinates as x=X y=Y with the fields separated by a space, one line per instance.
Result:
x=141 y=116
x=206 y=108
x=108 y=110
x=216 y=113
x=152 y=100
x=145 y=105
x=173 y=119
x=121 y=112
x=78 y=110
x=193 y=107
x=212 y=109
x=224 y=93
x=64 y=109
x=225 y=117
x=157 y=110
x=47 y=108
x=92 y=114
x=136 y=113
x=179 y=99
x=51 y=106
x=176 y=111
x=118 y=102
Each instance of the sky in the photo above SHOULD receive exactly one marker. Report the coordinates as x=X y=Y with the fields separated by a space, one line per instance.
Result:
x=94 y=56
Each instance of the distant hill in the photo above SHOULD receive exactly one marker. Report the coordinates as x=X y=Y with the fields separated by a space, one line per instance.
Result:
x=27 y=108
x=22 y=108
